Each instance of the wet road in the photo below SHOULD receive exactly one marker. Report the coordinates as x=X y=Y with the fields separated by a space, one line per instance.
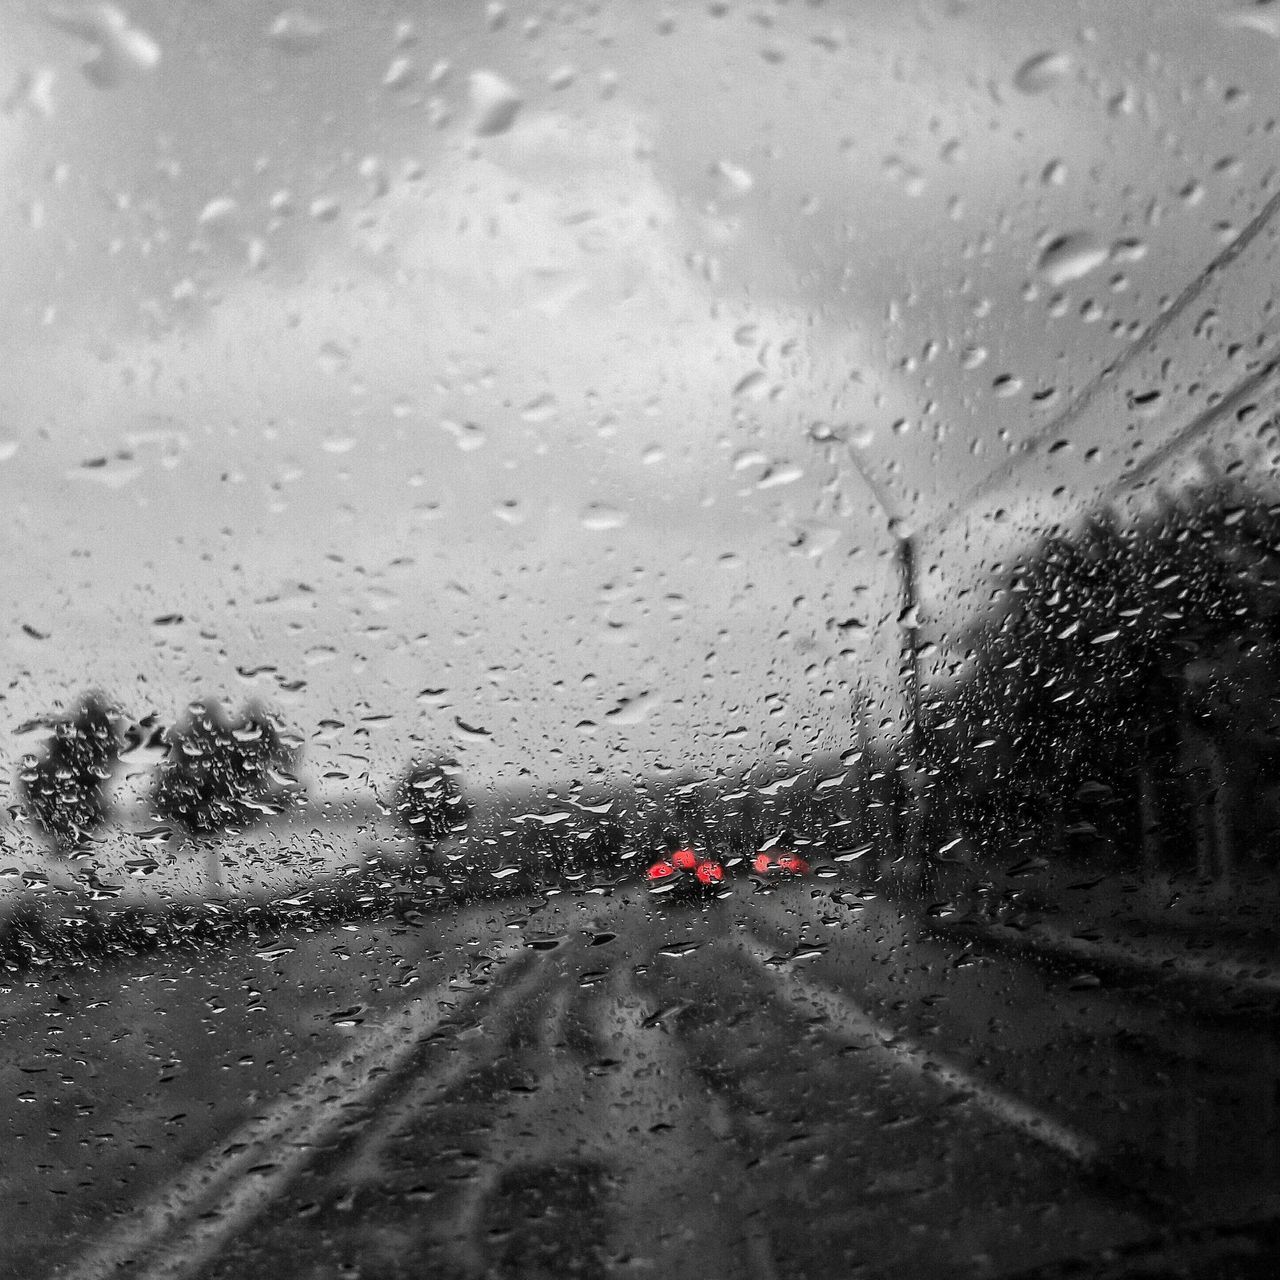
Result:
x=798 y=1083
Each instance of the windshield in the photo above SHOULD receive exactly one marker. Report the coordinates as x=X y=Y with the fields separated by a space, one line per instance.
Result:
x=642 y=640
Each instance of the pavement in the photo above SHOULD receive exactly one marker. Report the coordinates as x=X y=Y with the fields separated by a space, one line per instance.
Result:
x=797 y=1082
x=1215 y=940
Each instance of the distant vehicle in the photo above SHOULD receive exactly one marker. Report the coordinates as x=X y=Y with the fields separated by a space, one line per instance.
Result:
x=685 y=875
x=778 y=864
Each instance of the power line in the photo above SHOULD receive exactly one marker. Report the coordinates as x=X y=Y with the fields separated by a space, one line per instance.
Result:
x=1145 y=341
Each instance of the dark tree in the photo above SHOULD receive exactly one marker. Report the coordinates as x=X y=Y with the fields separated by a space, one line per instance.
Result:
x=1087 y=695
x=574 y=851
x=429 y=803
x=66 y=787
x=222 y=773
x=605 y=841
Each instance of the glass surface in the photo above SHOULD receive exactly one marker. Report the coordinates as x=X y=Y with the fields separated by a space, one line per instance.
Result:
x=642 y=640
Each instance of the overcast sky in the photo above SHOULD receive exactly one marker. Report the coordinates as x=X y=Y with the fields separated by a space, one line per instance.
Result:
x=496 y=380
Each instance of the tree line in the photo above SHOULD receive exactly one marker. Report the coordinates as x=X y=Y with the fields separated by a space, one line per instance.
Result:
x=218 y=771
x=1122 y=699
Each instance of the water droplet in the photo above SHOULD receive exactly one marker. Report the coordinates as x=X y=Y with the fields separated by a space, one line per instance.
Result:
x=495 y=103
x=734 y=180
x=754 y=386
x=541 y=409
x=1054 y=174
x=119 y=49
x=631 y=711
x=1040 y=73
x=600 y=517
x=1129 y=250
x=296 y=32
x=466 y=435
x=111 y=473
x=744 y=459
x=1070 y=257
x=905 y=174
x=469 y=732
x=779 y=473
x=219 y=213
x=7 y=449
x=1265 y=24
x=1147 y=403
x=400 y=74
x=325 y=208
x=33 y=92
x=1192 y=193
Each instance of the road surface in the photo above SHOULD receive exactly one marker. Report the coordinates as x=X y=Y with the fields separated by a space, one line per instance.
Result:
x=790 y=1084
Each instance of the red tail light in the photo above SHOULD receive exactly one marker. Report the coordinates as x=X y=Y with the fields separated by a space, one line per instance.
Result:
x=798 y=866
x=685 y=859
x=709 y=872
x=660 y=871
x=761 y=863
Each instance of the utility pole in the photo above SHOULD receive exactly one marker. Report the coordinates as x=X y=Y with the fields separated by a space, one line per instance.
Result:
x=904 y=540
x=909 y=622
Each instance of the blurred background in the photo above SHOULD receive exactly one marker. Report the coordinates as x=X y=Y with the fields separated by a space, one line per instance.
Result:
x=461 y=452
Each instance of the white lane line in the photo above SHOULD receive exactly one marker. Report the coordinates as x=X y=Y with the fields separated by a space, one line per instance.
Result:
x=364 y=1162
x=859 y=1027
x=194 y=1214
x=624 y=1023
x=468 y=1217
x=1236 y=972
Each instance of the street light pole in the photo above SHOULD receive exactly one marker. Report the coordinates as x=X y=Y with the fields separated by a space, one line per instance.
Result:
x=904 y=539
x=909 y=621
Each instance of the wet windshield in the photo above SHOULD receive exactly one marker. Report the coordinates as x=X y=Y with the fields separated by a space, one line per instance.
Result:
x=643 y=639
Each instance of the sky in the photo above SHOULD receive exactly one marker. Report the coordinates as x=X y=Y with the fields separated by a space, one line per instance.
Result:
x=501 y=381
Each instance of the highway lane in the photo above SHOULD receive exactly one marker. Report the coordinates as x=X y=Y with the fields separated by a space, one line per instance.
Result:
x=792 y=1084
x=1176 y=1088
x=115 y=1077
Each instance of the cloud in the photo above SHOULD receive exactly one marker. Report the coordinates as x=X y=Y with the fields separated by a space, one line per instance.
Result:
x=516 y=339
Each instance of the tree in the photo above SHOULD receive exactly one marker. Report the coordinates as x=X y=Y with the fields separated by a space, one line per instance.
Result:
x=1080 y=701
x=221 y=773
x=66 y=787
x=429 y=803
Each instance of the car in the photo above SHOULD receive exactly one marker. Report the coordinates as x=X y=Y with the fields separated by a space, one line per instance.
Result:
x=686 y=875
x=778 y=864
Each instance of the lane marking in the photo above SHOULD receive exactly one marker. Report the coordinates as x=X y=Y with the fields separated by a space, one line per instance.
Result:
x=858 y=1026
x=1043 y=939
x=625 y=1010
x=468 y=1217
x=362 y=1163
x=195 y=1213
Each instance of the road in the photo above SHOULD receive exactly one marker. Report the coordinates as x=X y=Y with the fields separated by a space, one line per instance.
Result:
x=797 y=1083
